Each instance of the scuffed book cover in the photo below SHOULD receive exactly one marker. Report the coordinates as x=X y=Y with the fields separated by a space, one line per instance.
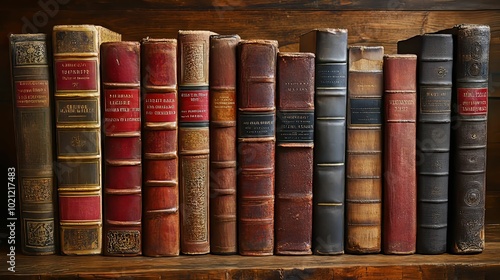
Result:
x=122 y=180
x=364 y=150
x=161 y=233
x=256 y=145
x=434 y=87
x=34 y=143
x=294 y=153
x=77 y=96
x=223 y=226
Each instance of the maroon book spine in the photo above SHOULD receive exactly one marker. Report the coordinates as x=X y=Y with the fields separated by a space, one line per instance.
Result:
x=400 y=177
x=122 y=148
x=160 y=162
x=294 y=153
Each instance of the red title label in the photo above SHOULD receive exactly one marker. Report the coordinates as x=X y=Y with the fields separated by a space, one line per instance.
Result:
x=32 y=94
x=160 y=107
x=193 y=106
x=473 y=101
x=76 y=75
x=122 y=111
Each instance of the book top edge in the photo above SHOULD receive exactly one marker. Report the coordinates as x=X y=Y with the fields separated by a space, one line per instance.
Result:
x=260 y=41
x=296 y=54
x=400 y=56
x=158 y=40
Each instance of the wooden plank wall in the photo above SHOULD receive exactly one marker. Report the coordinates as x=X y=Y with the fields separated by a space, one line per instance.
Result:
x=369 y=22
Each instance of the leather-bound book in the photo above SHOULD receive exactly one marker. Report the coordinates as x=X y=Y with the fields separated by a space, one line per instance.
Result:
x=469 y=137
x=223 y=226
x=34 y=144
x=78 y=135
x=194 y=141
x=434 y=82
x=330 y=48
x=294 y=153
x=256 y=145
x=399 y=231
x=364 y=150
x=122 y=180
x=160 y=192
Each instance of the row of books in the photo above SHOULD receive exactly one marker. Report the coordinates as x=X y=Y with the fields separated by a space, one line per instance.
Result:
x=214 y=144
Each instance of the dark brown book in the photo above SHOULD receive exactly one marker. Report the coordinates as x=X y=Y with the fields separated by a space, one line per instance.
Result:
x=364 y=150
x=33 y=123
x=223 y=226
x=256 y=145
x=194 y=141
x=400 y=176
x=161 y=233
x=294 y=153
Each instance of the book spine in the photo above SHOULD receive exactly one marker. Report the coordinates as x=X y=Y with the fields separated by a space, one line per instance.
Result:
x=34 y=143
x=256 y=146
x=294 y=153
x=364 y=150
x=469 y=137
x=161 y=230
x=78 y=135
x=194 y=141
x=223 y=227
x=400 y=197
x=120 y=65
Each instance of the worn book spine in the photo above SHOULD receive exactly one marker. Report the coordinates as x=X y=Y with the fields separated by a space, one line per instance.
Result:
x=222 y=68
x=122 y=180
x=256 y=145
x=194 y=141
x=78 y=135
x=294 y=153
x=161 y=232
x=364 y=150
x=32 y=106
x=400 y=176
x=469 y=138
x=330 y=48
x=434 y=84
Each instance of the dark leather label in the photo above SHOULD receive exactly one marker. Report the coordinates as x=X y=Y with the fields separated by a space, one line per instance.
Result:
x=366 y=111
x=256 y=125
x=331 y=75
x=295 y=126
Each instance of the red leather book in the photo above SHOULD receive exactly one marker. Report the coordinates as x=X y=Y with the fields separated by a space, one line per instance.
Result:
x=161 y=233
x=256 y=145
x=122 y=148
x=223 y=144
x=400 y=177
x=294 y=153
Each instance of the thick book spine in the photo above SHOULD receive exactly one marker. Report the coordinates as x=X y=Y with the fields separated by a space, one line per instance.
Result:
x=330 y=48
x=122 y=182
x=294 y=153
x=78 y=135
x=256 y=145
x=434 y=83
x=223 y=226
x=194 y=141
x=161 y=232
x=400 y=177
x=469 y=138
x=34 y=143
x=364 y=150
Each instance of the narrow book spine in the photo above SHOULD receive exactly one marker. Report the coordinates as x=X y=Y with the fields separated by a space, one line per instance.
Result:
x=161 y=230
x=294 y=153
x=34 y=143
x=400 y=197
x=223 y=226
x=120 y=65
x=256 y=146
x=364 y=150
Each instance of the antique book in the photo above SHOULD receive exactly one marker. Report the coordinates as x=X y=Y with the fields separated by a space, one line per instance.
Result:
x=32 y=106
x=469 y=137
x=330 y=48
x=122 y=148
x=400 y=176
x=256 y=145
x=434 y=81
x=294 y=153
x=194 y=141
x=77 y=96
x=161 y=232
x=364 y=150
x=222 y=68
